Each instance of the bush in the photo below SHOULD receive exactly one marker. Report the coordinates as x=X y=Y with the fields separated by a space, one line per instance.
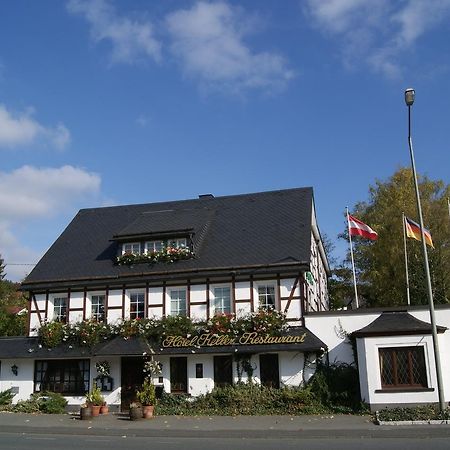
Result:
x=424 y=412
x=250 y=399
x=337 y=386
x=52 y=403
x=45 y=402
x=26 y=406
x=6 y=398
x=173 y=405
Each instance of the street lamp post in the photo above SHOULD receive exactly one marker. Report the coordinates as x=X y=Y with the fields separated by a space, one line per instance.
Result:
x=409 y=99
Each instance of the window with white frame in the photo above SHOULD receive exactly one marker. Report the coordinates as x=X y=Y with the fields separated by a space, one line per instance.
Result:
x=131 y=247
x=154 y=246
x=402 y=367
x=179 y=242
x=222 y=300
x=178 y=302
x=60 y=309
x=266 y=296
x=98 y=307
x=137 y=305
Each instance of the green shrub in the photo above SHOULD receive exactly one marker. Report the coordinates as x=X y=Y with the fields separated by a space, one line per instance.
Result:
x=337 y=386
x=26 y=406
x=242 y=398
x=52 y=403
x=170 y=404
x=6 y=398
x=45 y=402
x=423 y=412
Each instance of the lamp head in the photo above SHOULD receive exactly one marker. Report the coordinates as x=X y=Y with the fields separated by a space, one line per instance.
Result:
x=410 y=95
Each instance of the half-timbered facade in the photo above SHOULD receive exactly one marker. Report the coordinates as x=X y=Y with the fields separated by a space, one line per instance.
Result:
x=234 y=255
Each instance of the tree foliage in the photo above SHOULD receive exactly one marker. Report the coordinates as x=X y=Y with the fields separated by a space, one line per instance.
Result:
x=11 y=323
x=381 y=264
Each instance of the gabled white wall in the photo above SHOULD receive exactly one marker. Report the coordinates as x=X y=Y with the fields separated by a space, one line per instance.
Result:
x=333 y=328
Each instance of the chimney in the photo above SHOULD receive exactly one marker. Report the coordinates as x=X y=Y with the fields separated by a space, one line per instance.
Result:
x=205 y=196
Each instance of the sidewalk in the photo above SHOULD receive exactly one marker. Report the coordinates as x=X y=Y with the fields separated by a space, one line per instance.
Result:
x=205 y=426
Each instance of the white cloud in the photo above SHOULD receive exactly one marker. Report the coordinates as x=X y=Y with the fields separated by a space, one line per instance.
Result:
x=37 y=194
x=22 y=129
x=377 y=33
x=208 y=39
x=30 y=192
x=130 y=39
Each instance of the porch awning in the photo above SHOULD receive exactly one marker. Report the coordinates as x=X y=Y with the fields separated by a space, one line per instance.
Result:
x=298 y=339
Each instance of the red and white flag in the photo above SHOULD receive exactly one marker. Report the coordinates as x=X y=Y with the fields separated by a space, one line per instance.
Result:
x=358 y=228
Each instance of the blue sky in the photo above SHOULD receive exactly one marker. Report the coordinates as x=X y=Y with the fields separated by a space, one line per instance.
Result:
x=113 y=102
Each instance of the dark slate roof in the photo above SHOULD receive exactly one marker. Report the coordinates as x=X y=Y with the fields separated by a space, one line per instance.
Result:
x=117 y=346
x=28 y=347
x=154 y=223
x=260 y=229
x=396 y=323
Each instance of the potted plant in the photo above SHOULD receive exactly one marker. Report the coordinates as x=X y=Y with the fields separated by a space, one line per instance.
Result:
x=135 y=411
x=104 y=409
x=95 y=400
x=146 y=396
x=85 y=412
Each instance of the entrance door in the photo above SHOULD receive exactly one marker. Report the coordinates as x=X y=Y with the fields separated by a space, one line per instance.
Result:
x=269 y=370
x=223 y=370
x=178 y=375
x=132 y=376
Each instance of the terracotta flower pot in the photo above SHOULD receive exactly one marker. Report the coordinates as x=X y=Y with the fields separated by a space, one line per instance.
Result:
x=147 y=411
x=104 y=409
x=95 y=410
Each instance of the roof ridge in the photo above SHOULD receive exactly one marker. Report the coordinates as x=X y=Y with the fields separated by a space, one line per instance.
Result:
x=200 y=200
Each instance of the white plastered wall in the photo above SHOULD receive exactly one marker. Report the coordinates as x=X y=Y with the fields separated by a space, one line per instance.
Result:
x=333 y=329
x=22 y=383
x=370 y=379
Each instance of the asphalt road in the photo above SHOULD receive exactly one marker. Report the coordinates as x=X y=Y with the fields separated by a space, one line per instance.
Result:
x=25 y=441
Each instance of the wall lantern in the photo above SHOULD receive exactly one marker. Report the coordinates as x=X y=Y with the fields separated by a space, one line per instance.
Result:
x=14 y=370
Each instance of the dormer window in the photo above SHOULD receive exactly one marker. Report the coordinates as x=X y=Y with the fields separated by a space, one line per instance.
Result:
x=154 y=246
x=131 y=247
x=157 y=246
x=159 y=250
x=177 y=243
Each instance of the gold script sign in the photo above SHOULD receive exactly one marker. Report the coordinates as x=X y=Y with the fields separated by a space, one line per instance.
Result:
x=216 y=340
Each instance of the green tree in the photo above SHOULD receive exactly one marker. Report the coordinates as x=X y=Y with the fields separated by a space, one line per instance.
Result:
x=381 y=264
x=11 y=324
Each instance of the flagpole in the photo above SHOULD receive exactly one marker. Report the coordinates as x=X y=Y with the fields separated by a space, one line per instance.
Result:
x=408 y=299
x=353 y=261
x=409 y=99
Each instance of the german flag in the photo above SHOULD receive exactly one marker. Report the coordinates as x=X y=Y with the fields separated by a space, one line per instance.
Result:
x=413 y=231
